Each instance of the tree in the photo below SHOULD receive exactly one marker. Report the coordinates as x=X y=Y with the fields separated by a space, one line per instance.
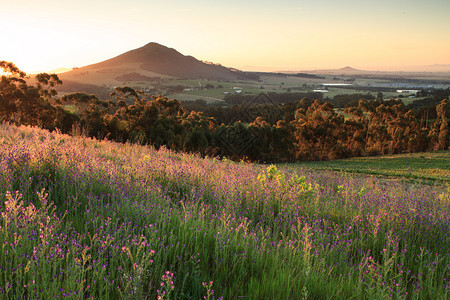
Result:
x=443 y=138
x=21 y=103
x=90 y=112
x=12 y=89
x=320 y=132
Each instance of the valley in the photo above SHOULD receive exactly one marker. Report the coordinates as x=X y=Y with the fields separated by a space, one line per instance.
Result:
x=152 y=69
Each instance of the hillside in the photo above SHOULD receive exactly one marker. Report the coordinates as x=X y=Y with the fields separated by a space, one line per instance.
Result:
x=150 y=63
x=85 y=219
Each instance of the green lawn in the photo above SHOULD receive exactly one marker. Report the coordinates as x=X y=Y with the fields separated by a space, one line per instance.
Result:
x=428 y=166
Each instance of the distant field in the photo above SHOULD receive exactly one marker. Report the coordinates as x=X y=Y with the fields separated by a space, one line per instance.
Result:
x=248 y=89
x=108 y=78
x=222 y=88
x=408 y=100
x=279 y=84
x=193 y=97
x=427 y=166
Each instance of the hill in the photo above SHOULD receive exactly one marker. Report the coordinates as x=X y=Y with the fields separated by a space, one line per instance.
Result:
x=94 y=219
x=436 y=72
x=149 y=63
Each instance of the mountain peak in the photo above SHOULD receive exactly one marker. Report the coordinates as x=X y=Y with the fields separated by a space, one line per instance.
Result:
x=348 y=68
x=154 y=44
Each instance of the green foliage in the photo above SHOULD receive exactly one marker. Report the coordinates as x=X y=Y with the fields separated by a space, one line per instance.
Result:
x=271 y=174
x=444 y=198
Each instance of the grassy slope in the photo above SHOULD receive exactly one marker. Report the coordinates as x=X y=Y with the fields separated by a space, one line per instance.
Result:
x=89 y=75
x=428 y=166
x=126 y=215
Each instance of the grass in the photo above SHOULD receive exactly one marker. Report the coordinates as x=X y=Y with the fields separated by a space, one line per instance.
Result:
x=107 y=76
x=218 y=93
x=408 y=100
x=433 y=166
x=82 y=219
x=192 y=97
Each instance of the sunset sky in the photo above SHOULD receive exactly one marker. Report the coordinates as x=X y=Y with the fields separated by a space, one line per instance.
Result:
x=41 y=35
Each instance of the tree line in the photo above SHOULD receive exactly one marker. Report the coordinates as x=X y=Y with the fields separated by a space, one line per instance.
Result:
x=305 y=130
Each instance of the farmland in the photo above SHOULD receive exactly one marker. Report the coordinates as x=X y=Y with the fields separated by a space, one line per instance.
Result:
x=268 y=84
x=83 y=218
x=355 y=82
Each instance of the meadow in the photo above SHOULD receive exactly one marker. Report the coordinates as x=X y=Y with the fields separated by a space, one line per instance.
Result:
x=429 y=166
x=83 y=218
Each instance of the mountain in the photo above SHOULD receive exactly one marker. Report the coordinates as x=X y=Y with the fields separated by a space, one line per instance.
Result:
x=342 y=71
x=148 y=63
x=391 y=70
x=348 y=69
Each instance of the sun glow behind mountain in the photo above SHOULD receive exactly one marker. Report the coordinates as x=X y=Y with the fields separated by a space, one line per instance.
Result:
x=45 y=35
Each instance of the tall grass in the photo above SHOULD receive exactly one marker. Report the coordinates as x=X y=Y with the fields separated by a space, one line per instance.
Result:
x=93 y=219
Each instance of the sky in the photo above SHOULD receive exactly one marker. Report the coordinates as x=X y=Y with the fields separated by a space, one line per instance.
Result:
x=42 y=35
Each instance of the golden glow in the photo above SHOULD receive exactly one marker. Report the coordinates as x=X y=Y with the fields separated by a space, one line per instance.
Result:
x=281 y=35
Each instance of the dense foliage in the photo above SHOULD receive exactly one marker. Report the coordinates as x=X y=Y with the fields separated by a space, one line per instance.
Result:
x=82 y=218
x=267 y=129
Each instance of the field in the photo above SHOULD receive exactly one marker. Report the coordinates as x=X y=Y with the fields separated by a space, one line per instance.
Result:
x=433 y=166
x=284 y=84
x=94 y=219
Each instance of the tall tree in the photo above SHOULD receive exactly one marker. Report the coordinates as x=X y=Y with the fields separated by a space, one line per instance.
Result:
x=27 y=104
x=443 y=138
x=12 y=89
x=90 y=111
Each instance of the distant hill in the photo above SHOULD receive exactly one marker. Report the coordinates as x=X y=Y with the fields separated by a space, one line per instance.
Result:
x=152 y=62
x=342 y=71
x=348 y=69
x=393 y=71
